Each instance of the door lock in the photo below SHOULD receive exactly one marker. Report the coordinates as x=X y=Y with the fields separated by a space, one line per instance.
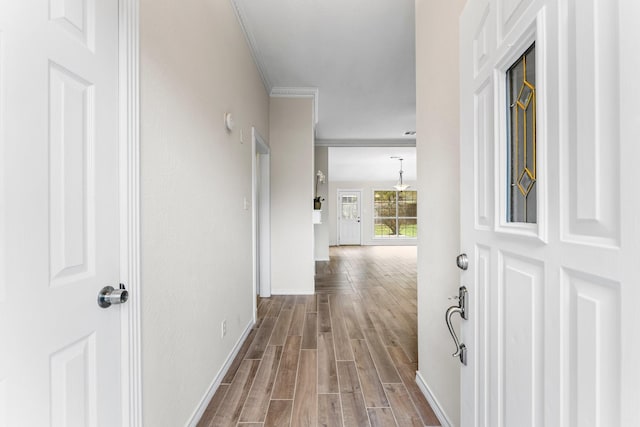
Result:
x=462 y=261
x=108 y=295
x=461 y=308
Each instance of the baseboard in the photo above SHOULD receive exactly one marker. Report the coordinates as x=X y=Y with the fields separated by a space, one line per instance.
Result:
x=435 y=405
x=292 y=292
x=392 y=242
x=217 y=380
x=323 y=259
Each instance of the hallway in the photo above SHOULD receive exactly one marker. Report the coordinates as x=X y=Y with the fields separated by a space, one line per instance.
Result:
x=345 y=356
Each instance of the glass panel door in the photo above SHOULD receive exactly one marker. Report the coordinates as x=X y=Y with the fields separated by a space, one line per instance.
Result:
x=521 y=92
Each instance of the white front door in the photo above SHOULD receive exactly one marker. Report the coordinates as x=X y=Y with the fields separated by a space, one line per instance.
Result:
x=549 y=209
x=349 y=208
x=59 y=213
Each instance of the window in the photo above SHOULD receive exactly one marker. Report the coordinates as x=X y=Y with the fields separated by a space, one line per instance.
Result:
x=395 y=214
x=350 y=207
x=521 y=94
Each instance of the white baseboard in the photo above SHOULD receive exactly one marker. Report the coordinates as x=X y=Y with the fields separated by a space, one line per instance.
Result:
x=292 y=292
x=323 y=259
x=217 y=380
x=435 y=405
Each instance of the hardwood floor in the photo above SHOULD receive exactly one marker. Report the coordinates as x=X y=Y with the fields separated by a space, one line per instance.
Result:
x=345 y=356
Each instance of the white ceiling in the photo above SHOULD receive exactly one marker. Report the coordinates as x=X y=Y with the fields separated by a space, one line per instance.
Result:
x=358 y=53
x=371 y=163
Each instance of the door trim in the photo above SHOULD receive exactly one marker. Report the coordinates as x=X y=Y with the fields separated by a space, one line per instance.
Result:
x=261 y=218
x=535 y=32
x=129 y=171
x=339 y=212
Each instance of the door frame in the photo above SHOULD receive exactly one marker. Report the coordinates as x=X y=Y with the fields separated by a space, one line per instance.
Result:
x=261 y=217
x=339 y=211
x=129 y=172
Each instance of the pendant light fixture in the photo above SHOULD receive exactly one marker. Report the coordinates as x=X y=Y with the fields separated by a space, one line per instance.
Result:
x=400 y=186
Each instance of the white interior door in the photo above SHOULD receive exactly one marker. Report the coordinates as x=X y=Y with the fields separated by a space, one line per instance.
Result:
x=549 y=211
x=59 y=213
x=349 y=211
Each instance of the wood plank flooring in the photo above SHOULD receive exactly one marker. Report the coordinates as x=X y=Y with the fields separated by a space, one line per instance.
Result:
x=345 y=356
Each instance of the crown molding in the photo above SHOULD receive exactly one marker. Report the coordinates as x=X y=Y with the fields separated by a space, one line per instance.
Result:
x=253 y=47
x=409 y=142
x=298 y=92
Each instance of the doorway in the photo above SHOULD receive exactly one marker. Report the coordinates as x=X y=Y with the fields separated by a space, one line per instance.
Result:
x=261 y=217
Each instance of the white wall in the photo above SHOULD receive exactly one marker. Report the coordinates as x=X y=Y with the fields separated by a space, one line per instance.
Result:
x=292 y=188
x=196 y=234
x=366 y=216
x=437 y=120
x=321 y=231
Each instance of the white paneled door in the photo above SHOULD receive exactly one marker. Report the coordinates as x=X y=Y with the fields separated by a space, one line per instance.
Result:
x=349 y=217
x=59 y=213
x=549 y=208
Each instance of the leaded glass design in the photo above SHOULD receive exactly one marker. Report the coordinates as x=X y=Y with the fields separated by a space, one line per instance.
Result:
x=521 y=96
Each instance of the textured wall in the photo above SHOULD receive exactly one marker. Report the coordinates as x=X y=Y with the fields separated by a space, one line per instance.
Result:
x=437 y=145
x=196 y=234
x=292 y=186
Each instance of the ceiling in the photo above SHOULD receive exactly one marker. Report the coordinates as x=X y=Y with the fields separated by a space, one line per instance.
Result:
x=359 y=54
x=371 y=163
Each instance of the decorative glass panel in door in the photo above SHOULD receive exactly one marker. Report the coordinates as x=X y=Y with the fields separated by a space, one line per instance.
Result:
x=521 y=93
x=350 y=207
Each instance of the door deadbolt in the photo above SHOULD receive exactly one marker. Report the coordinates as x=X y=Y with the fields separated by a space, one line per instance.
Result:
x=108 y=296
x=462 y=261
